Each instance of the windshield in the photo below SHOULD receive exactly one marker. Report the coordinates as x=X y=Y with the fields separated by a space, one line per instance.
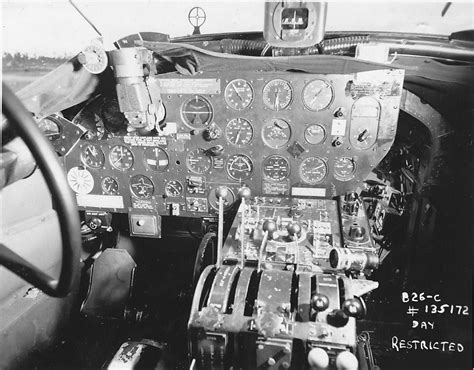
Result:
x=55 y=28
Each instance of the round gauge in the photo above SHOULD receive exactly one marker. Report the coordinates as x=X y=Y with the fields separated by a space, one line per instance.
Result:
x=277 y=94
x=238 y=94
x=239 y=132
x=156 y=159
x=142 y=187
x=198 y=161
x=109 y=185
x=173 y=188
x=276 y=168
x=92 y=156
x=315 y=134
x=276 y=133
x=197 y=112
x=114 y=119
x=317 y=95
x=80 y=180
x=344 y=168
x=313 y=170
x=50 y=128
x=239 y=167
x=121 y=157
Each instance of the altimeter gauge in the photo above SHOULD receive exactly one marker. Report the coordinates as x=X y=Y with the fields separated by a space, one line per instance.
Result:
x=80 y=180
x=238 y=94
x=121 y=158
x=317 y=95
x=92 y=156
x=239 y=167
x=277 y=94
x=239 y=131
x=313 y=170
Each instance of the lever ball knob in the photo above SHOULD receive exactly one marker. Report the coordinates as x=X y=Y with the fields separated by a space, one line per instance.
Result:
x=319 y=302
x=354 y=307
x=222 y=192
x=245 y=192
x=270 y=226
x=294 y=228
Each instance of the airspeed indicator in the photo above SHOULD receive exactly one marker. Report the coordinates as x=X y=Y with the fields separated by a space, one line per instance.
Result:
x=238 y=94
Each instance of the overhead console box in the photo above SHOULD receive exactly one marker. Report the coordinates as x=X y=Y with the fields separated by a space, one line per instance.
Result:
x=294 y=24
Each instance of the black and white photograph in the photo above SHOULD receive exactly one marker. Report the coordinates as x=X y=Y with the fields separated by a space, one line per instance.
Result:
x=236 y=185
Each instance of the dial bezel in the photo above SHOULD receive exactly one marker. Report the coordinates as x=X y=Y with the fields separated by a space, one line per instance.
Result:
x=231 y=160
x=120 y=168
x=305 y=179
x=266 y=140
x=267 y=86
x=84 y=157
x=185 y=119
x=138 y=196
x=190 y=168
x=288 y=168
x=251 y=132
x=227 y=91
x=309 y=105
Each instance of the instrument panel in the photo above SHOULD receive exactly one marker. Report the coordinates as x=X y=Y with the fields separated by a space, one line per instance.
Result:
x=280 y=133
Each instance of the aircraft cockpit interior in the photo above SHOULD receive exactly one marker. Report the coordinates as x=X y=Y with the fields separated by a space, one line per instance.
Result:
x=290 y=198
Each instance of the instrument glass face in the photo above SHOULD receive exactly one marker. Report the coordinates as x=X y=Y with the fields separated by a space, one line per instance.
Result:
x=317 y=95
x=239 y=132
x=173 y=188
x=344 y=168
x=142 y=187
x=313 y=170
x=109 y=186
x=49 y=128
x=156 y=159
x=277 y=94
x=276 y=168
x=121 y=158
x=238 y=94
x=315 y=134
x=197 y=112
x=276 y=133
x=198 y=161
x=92 y=156
x=239 y=167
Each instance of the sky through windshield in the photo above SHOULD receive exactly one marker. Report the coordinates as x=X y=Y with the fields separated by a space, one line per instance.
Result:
x=53 y=28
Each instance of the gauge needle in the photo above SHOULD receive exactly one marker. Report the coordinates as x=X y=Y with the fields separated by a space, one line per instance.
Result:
x=238 y=136
x=275 y=123
x=316 y=95
x=237 y=91
x=277 y=99
x=118 y=159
